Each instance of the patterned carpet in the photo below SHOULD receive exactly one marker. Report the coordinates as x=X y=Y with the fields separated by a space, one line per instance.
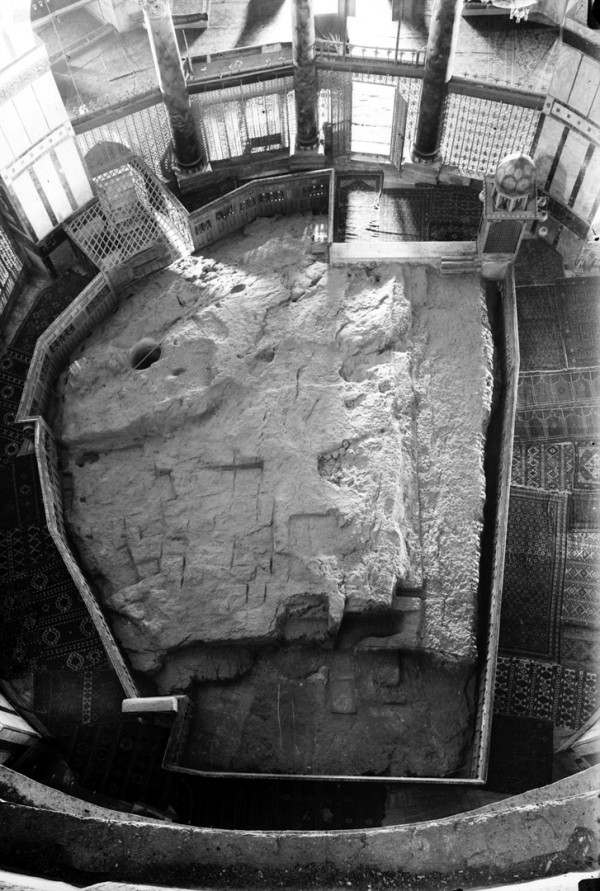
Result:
x=550 y=620
x=533 y=573
x=365 y=212
x=46 y=632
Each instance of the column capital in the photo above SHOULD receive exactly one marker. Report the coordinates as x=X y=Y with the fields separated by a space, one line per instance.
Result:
x=155 y=9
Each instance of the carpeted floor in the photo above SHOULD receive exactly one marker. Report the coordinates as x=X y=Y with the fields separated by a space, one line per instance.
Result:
x=365 y=212
x=550 y=619
x=533 y=573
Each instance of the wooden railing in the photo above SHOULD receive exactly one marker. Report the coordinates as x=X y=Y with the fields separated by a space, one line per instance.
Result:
x=485 y=706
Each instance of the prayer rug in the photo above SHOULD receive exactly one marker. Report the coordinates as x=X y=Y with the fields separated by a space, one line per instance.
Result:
x=357 y=206
x=521 y=753
x=569 y=387
x=21 y=501
x=584 y=511
x=579 y=316
x=587 y=465
x=540 y=342
x=48 y=305
x=122 y=759
x=64 y=698
x=558 y=423
x=540 y=465
x=13 y=371
x=537 y=264
x=533 y=573
x=530 y=688
x=581 y=600
x=580 y=647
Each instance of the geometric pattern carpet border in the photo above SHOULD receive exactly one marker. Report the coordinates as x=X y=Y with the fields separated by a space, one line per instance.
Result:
x=527 y=687
x=534 y=573
x=541 y=465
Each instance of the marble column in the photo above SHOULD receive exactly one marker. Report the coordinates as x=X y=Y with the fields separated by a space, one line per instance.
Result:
x=305 y=76
x=443 y=32
x=171 y=80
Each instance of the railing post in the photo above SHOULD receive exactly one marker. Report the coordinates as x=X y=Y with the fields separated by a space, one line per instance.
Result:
x=443 y=32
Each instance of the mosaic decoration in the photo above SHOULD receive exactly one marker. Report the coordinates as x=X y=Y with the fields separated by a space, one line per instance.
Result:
x=533 y=573
x=540 y=465
x=579 y=315
x=587 y=465
x=540 y=342
x=529 y=688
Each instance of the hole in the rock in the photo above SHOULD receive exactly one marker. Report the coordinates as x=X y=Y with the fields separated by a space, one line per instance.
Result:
x=144 y=354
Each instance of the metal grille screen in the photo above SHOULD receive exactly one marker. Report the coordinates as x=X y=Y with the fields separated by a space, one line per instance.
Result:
x=145 y=133
x=478 y=133
x=247 y=119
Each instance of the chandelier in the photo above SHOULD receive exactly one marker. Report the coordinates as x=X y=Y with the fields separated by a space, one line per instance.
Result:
x=519 y=9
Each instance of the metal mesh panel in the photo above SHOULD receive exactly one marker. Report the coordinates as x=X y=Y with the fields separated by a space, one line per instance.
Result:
x=145 y=132
x=10 y=267
x=246 y=119
x=478 y=133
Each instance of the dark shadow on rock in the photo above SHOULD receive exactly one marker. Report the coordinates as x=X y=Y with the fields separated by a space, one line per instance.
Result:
x=258 y=14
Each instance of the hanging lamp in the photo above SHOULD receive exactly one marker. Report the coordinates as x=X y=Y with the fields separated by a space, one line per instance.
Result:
x=519 y=9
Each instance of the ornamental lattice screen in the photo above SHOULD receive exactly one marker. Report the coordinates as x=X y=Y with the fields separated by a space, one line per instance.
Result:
x=478 y=133
x=246 y=119
x=336 y=105
x=134 y=216
x=145 y=132
x=10 y=267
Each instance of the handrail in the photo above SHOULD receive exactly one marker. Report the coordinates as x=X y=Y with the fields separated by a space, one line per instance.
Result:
x=331 y=48
x=488 y=677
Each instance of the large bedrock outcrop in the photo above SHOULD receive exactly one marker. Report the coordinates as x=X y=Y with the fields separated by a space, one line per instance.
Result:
x=310 y=441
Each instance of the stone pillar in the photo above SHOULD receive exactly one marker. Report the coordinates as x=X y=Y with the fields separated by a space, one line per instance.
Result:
x=171 y=80
x=305 y=76
x=443 y=31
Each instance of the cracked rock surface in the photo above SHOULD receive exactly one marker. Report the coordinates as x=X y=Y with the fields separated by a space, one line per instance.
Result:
x=309 y=443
